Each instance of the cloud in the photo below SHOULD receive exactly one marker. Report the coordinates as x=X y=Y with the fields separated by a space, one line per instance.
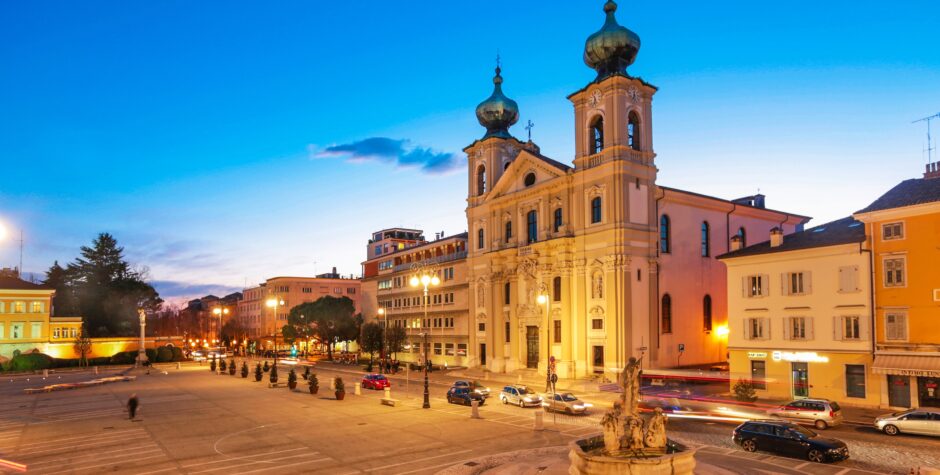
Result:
x=400 y=153
x=172 y=289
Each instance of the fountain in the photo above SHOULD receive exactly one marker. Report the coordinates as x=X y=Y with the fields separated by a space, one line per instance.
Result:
x=628 y=445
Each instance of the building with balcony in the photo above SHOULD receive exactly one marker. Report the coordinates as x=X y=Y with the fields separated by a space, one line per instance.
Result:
x=903 y=228
x=385 y=286
x=627 y=266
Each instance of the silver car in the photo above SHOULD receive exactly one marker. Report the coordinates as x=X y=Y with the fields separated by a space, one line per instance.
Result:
x=564 y=402
x=520 y=395
x=821 y=413
x=911 y=421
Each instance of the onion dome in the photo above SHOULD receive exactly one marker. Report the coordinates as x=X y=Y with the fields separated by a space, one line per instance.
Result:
x=498 y=112
x=613 y=48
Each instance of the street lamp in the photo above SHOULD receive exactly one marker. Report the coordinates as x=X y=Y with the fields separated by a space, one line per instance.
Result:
x=142 y=352
x=543 y=299
x=423 y=277
x=274 y=303
x=381 y=314
x=219 y=311
x=722 y=333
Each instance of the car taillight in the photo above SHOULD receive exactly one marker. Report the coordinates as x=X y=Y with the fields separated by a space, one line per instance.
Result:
x=832 y=413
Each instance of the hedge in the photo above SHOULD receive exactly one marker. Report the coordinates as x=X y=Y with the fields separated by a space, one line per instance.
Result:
x=30 y=362
x=164 y=354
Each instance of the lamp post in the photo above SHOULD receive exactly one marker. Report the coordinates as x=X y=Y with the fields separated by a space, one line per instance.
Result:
x=722 y=333
x=274 y=303
x=543 y=299
x=142 y=352
x=381 y=314
x=424 y=277
x=219 y=311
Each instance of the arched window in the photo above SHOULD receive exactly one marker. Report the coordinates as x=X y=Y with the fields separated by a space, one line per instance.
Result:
x=597 y=135
x=556 y=225
x=481 y=179
x=666 y=314
x=664 y=234
x=743 y=235
x=531 y=224
x=596 y=210
x=508 y=230
x=706 y=240
x=480 y=238
x=556 y=289
x=529 y=179
x=633 y=131
x=707 y=312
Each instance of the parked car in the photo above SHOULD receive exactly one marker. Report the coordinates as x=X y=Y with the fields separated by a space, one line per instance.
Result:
x=911 y=421
x=463 y=395
x=520 y=395
x=821 y=413
x=474 y=386
x=788 y=438
x=565 y=402
x=669 y=405
x=375 y=381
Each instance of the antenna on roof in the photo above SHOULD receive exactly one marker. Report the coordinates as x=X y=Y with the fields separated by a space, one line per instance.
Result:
x=930 y=147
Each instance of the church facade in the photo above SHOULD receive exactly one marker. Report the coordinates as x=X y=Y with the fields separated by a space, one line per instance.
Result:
x=579 y=267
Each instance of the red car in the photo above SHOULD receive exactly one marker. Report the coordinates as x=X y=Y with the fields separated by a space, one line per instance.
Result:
x=375 y=381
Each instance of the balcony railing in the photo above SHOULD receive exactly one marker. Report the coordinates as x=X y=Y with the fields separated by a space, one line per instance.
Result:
x=432 y=261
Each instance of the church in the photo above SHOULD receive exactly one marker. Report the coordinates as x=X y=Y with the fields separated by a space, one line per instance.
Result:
x=579 y=267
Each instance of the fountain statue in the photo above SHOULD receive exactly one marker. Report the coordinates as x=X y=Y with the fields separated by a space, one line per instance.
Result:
x=628 y=444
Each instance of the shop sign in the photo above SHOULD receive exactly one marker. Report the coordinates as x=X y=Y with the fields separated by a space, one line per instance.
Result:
x=799 y=357
x=756 y=354
x=913 y=372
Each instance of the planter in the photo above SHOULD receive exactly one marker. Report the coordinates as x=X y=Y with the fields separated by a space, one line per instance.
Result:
x=340 y=395
x=587 y=457
x=314 y=389
x=292 y=385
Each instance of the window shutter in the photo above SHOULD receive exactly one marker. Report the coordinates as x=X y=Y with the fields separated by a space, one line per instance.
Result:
x=810 y=333
x=863 y=328
x=808 y=282
x=902 y=328
x=744 y=290
x=786 y=328
x=765 y=285
x=766 y=325
x=837 y=326
x=853 y=283
x=783 y=284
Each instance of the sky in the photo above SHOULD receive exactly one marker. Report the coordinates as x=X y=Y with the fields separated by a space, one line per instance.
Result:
x=225 y=142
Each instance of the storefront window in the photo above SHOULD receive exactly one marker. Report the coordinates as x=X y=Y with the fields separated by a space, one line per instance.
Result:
x=759 y=374
x=929 y=390
x=855 y=380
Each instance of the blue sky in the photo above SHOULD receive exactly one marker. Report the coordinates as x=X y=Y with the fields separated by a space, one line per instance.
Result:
x=206 y=135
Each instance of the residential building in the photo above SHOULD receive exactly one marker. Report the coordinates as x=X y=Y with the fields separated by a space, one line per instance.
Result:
x=260 y=320
x=800 y=315
x=26 y=321
x=211 y=313
x=618 y=258
x=386 y=283
x=903 y=228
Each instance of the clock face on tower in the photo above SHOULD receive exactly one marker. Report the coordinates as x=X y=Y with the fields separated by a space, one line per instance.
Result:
x=634 y=94
x=595 y=98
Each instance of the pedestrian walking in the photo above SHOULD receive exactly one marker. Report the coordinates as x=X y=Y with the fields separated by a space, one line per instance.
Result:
x=132 y=404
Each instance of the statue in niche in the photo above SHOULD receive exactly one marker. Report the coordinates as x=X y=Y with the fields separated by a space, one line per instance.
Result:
x=480 y=294
x=597 y=286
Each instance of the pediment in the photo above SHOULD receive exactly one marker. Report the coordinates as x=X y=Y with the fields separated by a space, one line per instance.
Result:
x=513 y=178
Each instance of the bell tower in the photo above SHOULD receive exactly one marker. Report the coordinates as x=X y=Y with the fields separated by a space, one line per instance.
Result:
x=613 y=113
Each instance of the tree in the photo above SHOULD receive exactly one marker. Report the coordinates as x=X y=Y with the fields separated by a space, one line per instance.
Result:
x=371 y=340
x=395 y=339
x=232 y=330
x=331 y=319
x=63 y=303
x=82 y=346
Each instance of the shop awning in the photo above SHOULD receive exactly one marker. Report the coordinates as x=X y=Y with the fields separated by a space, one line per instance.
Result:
x=907 y=365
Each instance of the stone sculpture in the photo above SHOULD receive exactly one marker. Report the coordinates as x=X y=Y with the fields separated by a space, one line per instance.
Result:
x=624 y=431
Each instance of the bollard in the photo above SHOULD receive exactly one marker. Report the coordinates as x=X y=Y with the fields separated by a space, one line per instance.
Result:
x=388 y=393
x=358 y=389
x=96 y=370
x=474 y=409
x=538 y=420
x=177 y=365
x=45 y=373
x=519 y=381
x=332 y=384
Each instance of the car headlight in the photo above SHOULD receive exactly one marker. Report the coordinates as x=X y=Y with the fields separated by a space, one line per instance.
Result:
x=578 y=406
x=528 y=399
x=587 y=404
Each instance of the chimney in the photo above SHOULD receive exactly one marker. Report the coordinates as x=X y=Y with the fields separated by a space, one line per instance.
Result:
x=736 y=243
x=933 y=171
x=776 y=237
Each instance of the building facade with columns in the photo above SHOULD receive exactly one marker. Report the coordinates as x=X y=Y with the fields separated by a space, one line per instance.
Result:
x=577 y=263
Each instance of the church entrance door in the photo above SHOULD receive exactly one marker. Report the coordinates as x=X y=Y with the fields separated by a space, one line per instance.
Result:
x=532 y=347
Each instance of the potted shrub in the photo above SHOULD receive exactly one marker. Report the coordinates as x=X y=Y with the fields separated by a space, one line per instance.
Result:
x=273 y=376
x=313 y=383
x=306 y=373
x=744 y=391
x=266 y=367
x=244 y=369
x=212 y=365
x=258 y=372
x=231 y=368
x=292 y=380
x=340 y=389
x=222 y=367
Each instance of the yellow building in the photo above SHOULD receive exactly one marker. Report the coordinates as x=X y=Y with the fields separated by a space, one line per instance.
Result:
x=26 y=323
x=799 y=313
x=903 y=228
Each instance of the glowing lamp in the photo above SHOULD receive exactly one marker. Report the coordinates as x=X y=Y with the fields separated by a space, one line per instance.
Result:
x=722 y=330
x=541 y=299
x=414 y=281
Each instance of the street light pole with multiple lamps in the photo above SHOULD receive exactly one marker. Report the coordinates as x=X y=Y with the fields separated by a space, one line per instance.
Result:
x=219 y=311
x=543 y=298
x=274 y=303
x=425 y=277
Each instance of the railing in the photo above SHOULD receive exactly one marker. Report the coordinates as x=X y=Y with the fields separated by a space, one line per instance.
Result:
x=432 y=261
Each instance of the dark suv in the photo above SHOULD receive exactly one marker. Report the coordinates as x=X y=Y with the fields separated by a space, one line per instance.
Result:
x=788 y=438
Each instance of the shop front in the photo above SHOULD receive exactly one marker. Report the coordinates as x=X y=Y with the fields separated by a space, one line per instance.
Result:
x=788 y=374
x=910 y=380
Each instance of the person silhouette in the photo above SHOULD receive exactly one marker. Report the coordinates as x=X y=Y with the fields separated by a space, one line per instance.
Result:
x=132 y=404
